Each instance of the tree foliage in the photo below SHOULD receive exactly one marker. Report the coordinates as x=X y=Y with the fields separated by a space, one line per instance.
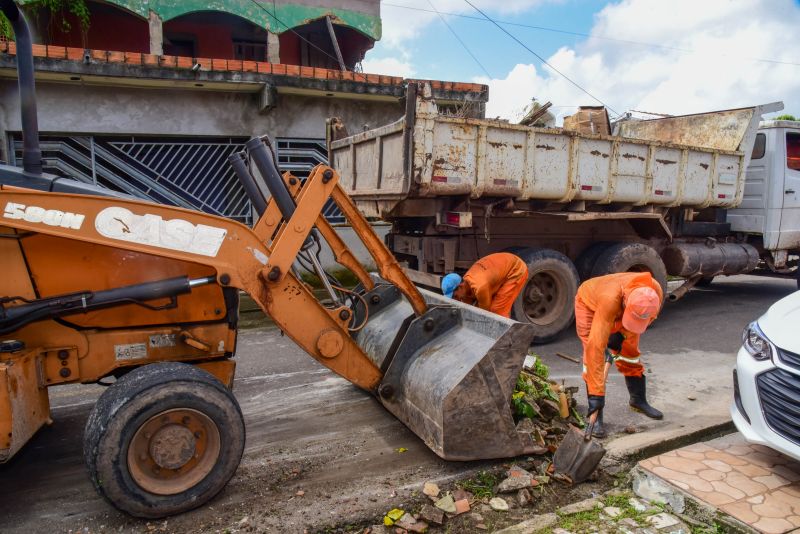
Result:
x=58 y=11
x=785 y=117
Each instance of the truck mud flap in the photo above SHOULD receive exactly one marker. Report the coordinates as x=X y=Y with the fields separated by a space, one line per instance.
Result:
x=448 y=374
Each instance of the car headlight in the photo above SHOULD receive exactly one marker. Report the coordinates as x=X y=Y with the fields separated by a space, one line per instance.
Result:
x=756 y=343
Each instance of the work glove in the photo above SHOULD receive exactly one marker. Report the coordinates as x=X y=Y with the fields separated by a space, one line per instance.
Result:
x=596 y=403
x=615 y=341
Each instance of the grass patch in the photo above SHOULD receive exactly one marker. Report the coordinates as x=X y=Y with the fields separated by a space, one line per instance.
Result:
x=580 y=521
x=716 y=528
x=587 y=521
x=481 y=485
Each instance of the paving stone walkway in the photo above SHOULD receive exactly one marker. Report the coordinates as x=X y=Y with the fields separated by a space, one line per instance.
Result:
x=754 y=484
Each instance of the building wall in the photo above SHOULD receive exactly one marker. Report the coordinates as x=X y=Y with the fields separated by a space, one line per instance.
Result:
x=214 y=33
x=110 y=28
x=360 y=15
x=73 y=108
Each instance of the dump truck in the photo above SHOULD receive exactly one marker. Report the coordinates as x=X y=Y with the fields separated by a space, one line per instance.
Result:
x=98 y=287
x=693 y=196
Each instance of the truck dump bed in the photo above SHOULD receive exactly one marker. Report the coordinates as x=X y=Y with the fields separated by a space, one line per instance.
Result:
x=693 y=161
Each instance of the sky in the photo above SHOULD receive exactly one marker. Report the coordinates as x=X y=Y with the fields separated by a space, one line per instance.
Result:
x=658 y=56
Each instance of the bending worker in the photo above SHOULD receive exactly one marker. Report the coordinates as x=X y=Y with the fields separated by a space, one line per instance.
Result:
x=493 y=282
x=611 y=312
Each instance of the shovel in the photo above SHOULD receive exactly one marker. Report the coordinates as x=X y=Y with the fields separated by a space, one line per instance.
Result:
x=579 y=455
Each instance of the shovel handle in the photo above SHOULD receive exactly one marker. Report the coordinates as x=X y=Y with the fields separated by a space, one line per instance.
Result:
x=587 y=435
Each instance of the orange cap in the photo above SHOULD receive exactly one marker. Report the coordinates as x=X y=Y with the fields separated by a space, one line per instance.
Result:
x=641 y=307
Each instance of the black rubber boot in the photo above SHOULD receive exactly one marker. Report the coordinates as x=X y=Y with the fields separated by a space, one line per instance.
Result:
x=599 y=430
x=637 y=387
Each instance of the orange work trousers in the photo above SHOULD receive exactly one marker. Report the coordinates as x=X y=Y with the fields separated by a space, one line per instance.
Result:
x=503 y=300
x=628 y=359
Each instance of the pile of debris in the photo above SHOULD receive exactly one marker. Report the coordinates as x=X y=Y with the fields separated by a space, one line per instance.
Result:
x=520 y=488
x=543 y=407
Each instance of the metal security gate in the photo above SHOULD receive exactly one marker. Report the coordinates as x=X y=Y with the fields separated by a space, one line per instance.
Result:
x=191 y=172
x=299 y=156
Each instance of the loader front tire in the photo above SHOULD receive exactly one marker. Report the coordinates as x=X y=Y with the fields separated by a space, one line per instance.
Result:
x=163 y=439
x=547 y=300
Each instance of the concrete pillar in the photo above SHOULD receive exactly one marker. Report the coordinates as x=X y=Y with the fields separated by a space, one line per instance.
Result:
x=156 y=34
x=273 y=48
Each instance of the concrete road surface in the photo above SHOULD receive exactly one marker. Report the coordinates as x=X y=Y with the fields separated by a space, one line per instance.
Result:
x=310 y=430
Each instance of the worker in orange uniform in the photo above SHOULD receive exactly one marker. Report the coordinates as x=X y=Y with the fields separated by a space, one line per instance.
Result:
x=611 y=312
x=493 y=283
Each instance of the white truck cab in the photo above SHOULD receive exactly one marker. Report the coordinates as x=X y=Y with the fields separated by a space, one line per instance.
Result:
x=771 y=203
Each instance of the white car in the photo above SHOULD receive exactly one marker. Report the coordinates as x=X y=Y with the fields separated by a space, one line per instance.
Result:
x=766 y=381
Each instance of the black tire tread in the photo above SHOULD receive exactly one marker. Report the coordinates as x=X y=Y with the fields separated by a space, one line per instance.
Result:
x=532 y=255
x=135 y=385
x=620 y=257
x=587 y=259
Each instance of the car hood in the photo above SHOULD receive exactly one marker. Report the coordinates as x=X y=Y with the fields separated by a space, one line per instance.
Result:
x=780 y=323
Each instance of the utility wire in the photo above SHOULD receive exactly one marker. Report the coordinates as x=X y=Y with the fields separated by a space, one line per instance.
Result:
x=543 y=60
x=486 y=72
x=279 y=21
x=589 y=35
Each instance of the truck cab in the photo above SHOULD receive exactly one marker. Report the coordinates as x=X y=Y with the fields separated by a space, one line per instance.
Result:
x=770 y=207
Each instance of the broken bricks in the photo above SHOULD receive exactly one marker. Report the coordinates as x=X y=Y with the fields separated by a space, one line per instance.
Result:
x=524 y=497
x=409 y=523
x=432 y=515
x=517 y=479
x=446 y=504
x=431 y=490
x=498 y=504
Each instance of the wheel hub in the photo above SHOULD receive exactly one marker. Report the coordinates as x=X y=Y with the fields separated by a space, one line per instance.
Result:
x=543 y=297
x=173 y=451
x=172 y=446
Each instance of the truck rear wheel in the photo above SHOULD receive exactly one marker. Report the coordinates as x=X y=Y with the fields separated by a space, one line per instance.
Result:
x=632 y=257
x=164 y=439
x=587 y=259
x=547 y=299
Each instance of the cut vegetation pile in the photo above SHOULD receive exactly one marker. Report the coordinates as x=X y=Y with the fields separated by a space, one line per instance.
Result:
x=542 y=407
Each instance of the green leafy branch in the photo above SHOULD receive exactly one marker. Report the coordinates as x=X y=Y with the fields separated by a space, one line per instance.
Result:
x=78 y=8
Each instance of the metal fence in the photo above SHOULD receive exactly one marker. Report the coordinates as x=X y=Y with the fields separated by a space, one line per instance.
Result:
x=192 y=172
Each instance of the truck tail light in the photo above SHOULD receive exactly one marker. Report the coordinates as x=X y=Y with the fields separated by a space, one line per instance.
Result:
x=455 y=219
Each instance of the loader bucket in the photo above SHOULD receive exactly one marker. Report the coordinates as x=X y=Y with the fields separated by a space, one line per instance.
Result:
x=448 y=374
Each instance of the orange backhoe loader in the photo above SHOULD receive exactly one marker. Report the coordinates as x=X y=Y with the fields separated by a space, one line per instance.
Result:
x=98 y=287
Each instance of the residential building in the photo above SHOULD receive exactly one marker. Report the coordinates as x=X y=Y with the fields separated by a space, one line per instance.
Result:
x=153 y=96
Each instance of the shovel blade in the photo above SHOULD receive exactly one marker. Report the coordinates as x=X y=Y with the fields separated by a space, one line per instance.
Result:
x=449 y=374
x=576 y=457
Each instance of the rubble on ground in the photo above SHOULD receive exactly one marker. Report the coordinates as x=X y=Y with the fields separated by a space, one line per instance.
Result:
x=542 y=407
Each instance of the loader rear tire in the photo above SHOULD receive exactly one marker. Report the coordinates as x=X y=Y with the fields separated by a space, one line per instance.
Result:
x=632 y=257
x=547 y=299
x=163 y=439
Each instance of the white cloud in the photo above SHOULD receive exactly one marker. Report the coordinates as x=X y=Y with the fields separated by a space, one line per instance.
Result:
x=389 y=66
x=705 y=60
x=401 y=25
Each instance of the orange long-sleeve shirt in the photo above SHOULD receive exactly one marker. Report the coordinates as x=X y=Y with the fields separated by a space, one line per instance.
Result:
x=490 y=273
x=603 y=297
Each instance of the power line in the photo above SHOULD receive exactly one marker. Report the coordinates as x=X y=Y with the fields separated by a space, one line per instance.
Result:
x=589 y=35
x=460 y=41
x=544 y=61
